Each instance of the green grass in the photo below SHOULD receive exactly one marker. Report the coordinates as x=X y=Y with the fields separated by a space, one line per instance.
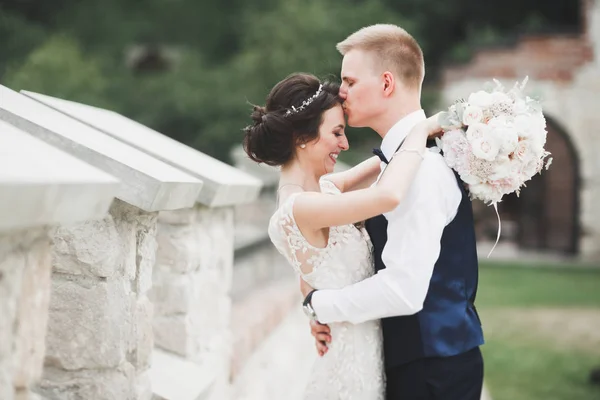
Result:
x=511 y=285
x=525 y=371
x=519 y=367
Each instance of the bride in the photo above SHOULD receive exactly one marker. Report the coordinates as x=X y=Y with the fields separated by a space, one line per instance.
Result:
x=317 y=225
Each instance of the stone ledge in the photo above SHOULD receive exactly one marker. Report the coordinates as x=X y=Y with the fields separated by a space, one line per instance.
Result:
x=42 y=185
x=255 y=316
x=175 y=378
x=146 y=182
x=223 y=184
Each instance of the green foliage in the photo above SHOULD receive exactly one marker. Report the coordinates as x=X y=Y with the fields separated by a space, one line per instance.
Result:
x=213 y=58
x=59 y=67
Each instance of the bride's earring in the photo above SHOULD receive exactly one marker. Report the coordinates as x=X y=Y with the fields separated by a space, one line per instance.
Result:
x=302 y=146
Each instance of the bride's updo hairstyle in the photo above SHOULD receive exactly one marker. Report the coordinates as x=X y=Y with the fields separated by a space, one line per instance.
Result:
x=292 y=115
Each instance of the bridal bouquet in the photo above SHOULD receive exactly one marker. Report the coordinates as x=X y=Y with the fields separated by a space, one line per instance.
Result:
x=495 y=141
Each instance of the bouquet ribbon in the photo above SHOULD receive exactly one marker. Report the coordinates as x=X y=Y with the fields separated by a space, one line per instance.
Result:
x=499 y=230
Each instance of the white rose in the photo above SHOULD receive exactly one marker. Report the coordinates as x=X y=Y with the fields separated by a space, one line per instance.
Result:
x=486 y=148
x=524 y=125
x=520 y=107
x=480 y=99
x=503 y=169
x=500 y=97
x=472 y=114
x=507 y=139
x=476 y=131
x=484 y=192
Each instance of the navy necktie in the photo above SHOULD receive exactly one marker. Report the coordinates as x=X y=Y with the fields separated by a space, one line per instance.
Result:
x=381 y=156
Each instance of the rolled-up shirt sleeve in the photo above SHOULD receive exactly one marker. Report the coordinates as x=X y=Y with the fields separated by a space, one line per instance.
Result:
x=414 y=234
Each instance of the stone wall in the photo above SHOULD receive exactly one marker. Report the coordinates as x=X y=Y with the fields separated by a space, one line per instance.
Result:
x=83 y=320
x=99 y=338
x=24 y=294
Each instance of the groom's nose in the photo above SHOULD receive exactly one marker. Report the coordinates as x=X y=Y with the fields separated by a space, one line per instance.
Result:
x=343 y=93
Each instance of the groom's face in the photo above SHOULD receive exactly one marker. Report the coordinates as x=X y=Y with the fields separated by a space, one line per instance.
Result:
x=360 y=88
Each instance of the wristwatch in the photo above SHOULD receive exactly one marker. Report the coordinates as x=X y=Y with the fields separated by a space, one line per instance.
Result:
x=307 y=306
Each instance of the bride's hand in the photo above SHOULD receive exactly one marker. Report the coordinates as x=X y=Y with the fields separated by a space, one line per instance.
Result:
x=430 y=126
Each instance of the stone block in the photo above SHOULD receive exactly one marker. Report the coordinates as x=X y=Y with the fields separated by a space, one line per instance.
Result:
x=174 y=378
x=81 y=249
x=172 y=293
x=171 y=333
x=89 y=322
x=32 y=317
x=179 y=247
x=96 y=384
x=141 y=339
x=13 y=262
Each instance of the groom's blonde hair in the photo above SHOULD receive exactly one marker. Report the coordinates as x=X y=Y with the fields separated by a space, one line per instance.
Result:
x=393 y=49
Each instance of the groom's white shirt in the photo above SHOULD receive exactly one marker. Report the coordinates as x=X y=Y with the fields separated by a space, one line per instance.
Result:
x=414 y=233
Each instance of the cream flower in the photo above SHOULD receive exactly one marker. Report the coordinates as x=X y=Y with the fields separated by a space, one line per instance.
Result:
x=486 y=148
x=480 y=99
x=472 y=115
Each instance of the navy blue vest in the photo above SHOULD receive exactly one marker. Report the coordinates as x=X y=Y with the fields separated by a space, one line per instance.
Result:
x=448 y=324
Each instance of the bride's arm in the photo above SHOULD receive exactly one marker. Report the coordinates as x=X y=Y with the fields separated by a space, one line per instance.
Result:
x=315 y=211
x=360 y=176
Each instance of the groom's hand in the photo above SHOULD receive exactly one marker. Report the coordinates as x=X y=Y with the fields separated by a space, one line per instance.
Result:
x=322 y=335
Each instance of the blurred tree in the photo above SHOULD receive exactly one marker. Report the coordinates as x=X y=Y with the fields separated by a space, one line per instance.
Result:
x=190 y=69
x=59 y=67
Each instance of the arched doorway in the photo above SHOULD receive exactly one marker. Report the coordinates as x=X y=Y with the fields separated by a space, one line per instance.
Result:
x=546 y=214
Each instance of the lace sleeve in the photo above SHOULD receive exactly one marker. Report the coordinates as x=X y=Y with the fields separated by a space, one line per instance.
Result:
x=290 y=242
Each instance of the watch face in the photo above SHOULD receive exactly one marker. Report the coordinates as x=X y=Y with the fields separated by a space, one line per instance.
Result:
x=310 y=313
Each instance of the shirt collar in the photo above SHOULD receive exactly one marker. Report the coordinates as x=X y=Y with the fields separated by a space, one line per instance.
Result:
x=399 y=131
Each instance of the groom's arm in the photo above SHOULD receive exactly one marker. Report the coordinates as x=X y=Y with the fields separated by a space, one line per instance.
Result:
x=414 y=232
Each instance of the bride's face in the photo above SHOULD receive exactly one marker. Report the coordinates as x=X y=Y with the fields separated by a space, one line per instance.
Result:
x=360 y=88
x=322 y=152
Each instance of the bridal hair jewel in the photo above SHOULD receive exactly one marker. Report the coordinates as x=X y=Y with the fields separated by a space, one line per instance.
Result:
x=305 y=103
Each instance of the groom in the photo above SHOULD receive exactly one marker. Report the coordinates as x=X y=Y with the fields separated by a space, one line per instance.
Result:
x=424 y=250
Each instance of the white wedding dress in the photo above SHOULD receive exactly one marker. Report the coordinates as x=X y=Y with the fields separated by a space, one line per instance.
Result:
x=352 y=368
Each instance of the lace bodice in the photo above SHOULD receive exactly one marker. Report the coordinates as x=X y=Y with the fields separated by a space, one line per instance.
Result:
x=352 y=369
x=345 y=260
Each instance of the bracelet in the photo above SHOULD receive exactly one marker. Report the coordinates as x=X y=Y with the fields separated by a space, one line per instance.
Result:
x=420 y=153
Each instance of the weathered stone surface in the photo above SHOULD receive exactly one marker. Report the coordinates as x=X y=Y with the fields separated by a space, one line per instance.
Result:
x=81 y=249
x=192 y=280
x=141 y=340
x=101 y=319
x=184 y=216
x=96 y=384
x=146 y=182
x=32 y=315
x=26 y=395
x=88 y=324
x=223 y=184
x=12 y=266
x=146 y=246
x=175 y=378
x=42 y=185
x=171 y=333
x=23 y=307
x=179 y=247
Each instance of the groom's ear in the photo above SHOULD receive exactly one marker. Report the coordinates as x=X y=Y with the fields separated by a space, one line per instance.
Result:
x=389 y=83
